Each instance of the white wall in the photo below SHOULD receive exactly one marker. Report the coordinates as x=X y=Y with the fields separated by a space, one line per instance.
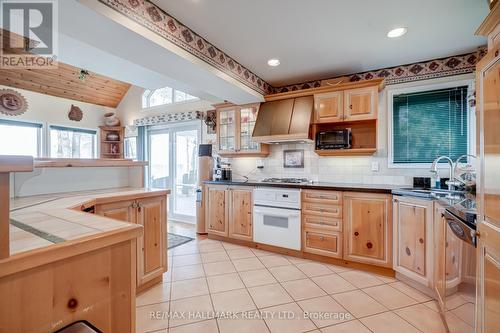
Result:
x=343 y=169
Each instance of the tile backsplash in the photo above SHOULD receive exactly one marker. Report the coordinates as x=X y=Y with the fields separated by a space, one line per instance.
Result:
x=341 y=169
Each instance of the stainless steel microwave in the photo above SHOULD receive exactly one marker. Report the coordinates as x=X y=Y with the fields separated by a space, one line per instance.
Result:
x=337 y=139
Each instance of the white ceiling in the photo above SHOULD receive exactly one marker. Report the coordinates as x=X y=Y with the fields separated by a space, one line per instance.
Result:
x=324 y=38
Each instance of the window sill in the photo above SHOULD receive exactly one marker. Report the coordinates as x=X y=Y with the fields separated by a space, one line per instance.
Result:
x=85 y=163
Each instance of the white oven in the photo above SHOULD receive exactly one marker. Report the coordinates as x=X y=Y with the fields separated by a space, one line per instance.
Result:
x=277 y=217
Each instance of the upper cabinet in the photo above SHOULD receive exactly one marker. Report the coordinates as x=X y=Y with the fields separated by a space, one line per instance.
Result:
x=235 y=125
x=346 y=105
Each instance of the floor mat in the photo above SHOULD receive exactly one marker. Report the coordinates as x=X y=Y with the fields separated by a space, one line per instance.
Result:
x=176 y=240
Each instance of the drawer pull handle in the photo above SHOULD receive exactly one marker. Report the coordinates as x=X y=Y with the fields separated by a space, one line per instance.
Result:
x=369 y=245
x=356 y=233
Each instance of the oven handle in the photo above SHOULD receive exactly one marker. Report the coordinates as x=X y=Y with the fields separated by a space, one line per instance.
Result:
x=277 y=212
x=466 y=234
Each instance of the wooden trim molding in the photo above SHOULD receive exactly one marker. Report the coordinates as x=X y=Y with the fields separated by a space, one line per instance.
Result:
x=490 y=22
x=86 y=163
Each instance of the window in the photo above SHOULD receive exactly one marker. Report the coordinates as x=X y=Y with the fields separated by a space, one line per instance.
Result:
x=20 y=138
x=68 y=142
x=427 y=124
x=131 y=148
x=164 y=96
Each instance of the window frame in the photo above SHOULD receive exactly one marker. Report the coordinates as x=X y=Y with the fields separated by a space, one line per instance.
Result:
x=75 y=129
x=174 y=92
x=33 y=124
x=471 y=119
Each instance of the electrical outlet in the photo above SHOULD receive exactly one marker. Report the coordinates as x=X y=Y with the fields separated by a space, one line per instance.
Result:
x=375 y=166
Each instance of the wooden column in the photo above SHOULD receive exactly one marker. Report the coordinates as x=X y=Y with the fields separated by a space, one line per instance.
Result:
x=4 y=215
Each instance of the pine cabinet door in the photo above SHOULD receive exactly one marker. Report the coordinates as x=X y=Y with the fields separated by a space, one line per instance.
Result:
x=360 y=104
x=240 y=218
x=217 y=211
x=122 y=211
x=328 y=108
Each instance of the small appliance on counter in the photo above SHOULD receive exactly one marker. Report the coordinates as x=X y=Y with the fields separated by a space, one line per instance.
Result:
x=205 y=168
x=222 y=172
x=336 y=139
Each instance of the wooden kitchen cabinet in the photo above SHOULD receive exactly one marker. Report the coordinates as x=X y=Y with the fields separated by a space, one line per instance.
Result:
x=360 y=104
x=240 y=214
x=329 y=107
x=319 y=241
x=151 y=246
x=235 y=124
x=367 y=226
x=439 y=272
x=229 y=211
x=413 y=238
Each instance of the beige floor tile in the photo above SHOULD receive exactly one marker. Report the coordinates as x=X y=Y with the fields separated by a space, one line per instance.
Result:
x=167 y=276
x=217 y=268
x=146 y=322
x=353 y=326
x=314 y=269
x=338 y=268
x=247 y=264
x=359 y=304
x=189 y=288
x=457 y=325
x=185 y=249
x=234 y=301
x=269 y=295
x=466 y=313
x=325 y=311
x=386 y=279
x=296 y=260
x=245 y=325
x=433 y=305
x=214 y=256
x=410 y=291
x=262 y=253
x=210 y=247
x=224 y=282
x=190 y=310
x=303 y=289
x=186 y=259
x=423 y=318
x=274 y=261
x=287 y=273
x=284 y=324
x=388 y=322
x=333 y=284
x=207 y=326
x=231 y=246
x=454 y=301
x=157 y=294
x=240 y=254
x=187 y=272
x=361 y=279
x=390 y=297
x=257 y=278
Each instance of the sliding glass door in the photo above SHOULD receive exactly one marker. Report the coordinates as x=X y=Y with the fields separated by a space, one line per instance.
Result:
x=174 y=165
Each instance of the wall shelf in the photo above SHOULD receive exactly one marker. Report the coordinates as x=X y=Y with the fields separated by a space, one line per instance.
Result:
x=110 y=148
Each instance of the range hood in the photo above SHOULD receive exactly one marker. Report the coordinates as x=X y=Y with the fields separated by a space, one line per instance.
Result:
x=284 y=120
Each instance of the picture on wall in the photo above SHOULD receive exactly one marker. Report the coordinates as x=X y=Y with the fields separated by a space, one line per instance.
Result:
x=293 y=158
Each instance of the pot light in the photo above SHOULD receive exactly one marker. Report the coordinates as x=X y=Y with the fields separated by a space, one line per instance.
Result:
x=398 y=32
x=273 y=62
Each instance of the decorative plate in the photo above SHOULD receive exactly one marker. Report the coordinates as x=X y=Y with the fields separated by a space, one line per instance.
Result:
x=12 y=103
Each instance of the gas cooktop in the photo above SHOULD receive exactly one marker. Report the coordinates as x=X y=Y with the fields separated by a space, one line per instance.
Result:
x=286 y=180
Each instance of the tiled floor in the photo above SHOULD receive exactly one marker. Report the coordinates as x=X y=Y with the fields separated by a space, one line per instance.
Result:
x=214 y=286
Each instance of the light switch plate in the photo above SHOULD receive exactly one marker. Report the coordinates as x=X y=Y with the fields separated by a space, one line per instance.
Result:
x=375 y=166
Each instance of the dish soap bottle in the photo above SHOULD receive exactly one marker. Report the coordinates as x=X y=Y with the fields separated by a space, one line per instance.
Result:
x=438 y=182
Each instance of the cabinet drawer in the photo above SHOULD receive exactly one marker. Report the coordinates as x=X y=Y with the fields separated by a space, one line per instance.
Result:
x=332 y=211
x=324 y=197
x=327 y=244
x=322 y=222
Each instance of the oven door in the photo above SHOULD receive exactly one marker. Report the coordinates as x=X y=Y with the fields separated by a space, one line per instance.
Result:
x=460 y=274
x=277 y=226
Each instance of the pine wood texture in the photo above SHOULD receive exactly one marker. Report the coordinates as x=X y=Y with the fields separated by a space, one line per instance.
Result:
x=328 y=107
x=217 y=210
x=106 y=146
x=368 y=228
x=413 y=239
x=64 y=82
x=360 y=104
x=4 y=215
x=240 y=215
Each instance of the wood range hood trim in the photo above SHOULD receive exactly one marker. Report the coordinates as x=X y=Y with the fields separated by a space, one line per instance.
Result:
x=285 y=120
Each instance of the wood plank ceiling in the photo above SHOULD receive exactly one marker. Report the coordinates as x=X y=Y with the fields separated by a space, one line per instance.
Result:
x=64 y=82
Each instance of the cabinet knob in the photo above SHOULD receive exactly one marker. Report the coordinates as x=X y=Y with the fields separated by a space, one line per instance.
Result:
x=369 y=245
x=350 y=106
x=408 y=252
x=356 y=233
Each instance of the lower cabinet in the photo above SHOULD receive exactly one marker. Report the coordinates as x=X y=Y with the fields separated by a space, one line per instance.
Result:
x=413 y=239
x=367 y=226
x=326 y=243
x=151 y=246
x=229 y=211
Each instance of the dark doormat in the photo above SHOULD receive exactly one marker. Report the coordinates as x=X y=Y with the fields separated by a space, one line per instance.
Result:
x=176 y=240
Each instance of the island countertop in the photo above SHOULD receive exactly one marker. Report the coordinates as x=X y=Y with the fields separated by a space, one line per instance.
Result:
x=52 y=227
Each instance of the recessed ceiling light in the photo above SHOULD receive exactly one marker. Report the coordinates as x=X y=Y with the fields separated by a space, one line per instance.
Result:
x=273 y=62
x=398 y=32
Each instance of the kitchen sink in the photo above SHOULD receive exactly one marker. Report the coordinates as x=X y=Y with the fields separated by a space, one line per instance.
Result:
x=428 y=193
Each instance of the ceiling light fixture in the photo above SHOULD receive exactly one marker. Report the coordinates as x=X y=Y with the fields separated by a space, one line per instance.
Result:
x=273 y=62
x=398 y=32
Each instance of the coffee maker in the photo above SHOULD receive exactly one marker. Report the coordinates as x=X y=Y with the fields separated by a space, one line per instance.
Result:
x=222 y=171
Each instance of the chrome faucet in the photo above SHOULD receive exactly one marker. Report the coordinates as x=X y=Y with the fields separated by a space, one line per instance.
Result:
x=434 y=169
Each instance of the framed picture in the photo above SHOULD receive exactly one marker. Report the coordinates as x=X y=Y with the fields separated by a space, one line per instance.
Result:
x=293 y=158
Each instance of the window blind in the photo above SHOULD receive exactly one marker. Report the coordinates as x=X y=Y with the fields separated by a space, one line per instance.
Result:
x=19 y=123
x=69 y=129
x=429 y=124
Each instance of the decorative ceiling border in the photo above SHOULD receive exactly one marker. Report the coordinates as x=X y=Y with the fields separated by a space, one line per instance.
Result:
x=454 y=65
x=157 y=20
x=169 y=118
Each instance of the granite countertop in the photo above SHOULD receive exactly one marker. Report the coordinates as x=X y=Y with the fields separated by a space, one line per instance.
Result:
x=374 y=188
x=55 y=220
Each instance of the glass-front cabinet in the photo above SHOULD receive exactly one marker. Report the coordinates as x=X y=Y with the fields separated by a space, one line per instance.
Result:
x=235 y=124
